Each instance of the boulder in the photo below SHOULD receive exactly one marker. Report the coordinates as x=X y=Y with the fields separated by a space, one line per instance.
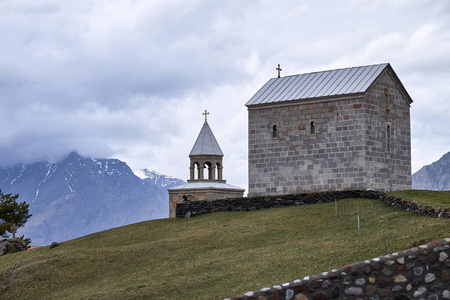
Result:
x=12 y=245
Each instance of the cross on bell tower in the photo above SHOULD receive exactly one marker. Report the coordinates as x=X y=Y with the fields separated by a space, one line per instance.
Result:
x=206 y=113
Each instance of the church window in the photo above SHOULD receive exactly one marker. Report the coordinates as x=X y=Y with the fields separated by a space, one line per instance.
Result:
x=196 y=171
x=208 y=170
x=313 y=128
x=388 y=138
x=218 y=171
x=274 y=131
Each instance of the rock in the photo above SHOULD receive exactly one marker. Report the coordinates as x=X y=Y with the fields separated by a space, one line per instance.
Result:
x=397 y=288
x=335 y=291
x=370 y=290
x=384 y=293
x=347 y=281
x=53 y=245
x=12 y=246
x=386 y=271
x=319 y=296
x=418 y=271
x=420 y=291
x=430 y=277
x=383 y=283
x=326 y=284
x=354 y=291
x=410 y=265
x=400 y=279
x=445 y=276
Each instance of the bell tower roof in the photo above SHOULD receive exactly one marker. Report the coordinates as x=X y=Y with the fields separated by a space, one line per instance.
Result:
x=206 y=143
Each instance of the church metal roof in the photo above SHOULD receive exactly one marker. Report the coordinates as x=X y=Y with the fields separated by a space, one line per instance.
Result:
x=318 y=84
x=206 y=143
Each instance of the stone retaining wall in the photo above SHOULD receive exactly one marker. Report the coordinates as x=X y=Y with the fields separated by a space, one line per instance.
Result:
x=196 y=208
x=419 y=273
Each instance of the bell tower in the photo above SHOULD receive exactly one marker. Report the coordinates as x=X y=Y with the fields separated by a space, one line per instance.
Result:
x=206 y=157
x=206 y=173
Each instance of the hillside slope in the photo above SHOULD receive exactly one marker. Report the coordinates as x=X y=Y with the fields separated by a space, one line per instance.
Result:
x=435 y=177
x=81 y=195
x=213 y=256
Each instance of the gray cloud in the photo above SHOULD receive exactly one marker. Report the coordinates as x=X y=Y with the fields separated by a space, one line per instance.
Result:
x=130 y=79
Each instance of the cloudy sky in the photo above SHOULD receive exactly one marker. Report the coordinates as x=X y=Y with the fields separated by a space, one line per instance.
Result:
x=130 y=79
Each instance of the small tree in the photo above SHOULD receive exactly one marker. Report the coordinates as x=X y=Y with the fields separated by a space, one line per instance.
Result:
x=11 y=213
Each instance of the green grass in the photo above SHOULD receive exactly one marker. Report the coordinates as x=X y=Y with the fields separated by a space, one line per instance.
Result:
x=423 y=197
x=213 y=256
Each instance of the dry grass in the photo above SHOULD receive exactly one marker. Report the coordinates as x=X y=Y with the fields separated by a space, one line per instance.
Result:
x=213 y=256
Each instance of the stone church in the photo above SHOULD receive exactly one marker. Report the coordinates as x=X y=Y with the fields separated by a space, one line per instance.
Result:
x=206 y=173
x=331 y=130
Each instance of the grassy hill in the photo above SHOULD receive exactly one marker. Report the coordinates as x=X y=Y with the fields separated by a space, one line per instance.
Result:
x=217 y=255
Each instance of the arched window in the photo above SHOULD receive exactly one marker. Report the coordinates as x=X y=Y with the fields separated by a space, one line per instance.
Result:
x=218 y=172
x=196 y=171
x=313 y=128
x=274 y=131
x=388 y=138
x=209 y=171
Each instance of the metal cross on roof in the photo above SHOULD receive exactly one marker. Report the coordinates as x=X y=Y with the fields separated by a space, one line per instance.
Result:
x=206 y=113
x=279 y=69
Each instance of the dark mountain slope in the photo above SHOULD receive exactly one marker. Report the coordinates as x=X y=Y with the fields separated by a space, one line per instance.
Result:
x=81 y=195
x=434 y=177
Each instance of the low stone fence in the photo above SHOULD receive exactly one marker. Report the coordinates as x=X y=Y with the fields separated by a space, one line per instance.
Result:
x=419 y=273
x=196 y=208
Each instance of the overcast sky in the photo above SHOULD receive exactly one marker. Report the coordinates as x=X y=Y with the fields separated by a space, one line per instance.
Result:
x=130 y=79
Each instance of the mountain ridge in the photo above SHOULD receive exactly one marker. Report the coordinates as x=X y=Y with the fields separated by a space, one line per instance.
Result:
x=435 y=176
x=81 y=195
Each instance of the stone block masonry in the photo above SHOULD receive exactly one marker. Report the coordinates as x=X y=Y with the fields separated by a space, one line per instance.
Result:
x=418 y=273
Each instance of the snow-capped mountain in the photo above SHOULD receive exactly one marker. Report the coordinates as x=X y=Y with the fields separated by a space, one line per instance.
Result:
x=81 y=195
x=155 y=177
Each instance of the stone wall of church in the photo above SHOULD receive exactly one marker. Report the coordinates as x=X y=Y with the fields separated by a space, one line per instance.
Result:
x=388 y=154
x=331 y=144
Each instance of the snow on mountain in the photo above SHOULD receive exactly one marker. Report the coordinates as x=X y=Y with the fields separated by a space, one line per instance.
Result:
x=157 y=178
